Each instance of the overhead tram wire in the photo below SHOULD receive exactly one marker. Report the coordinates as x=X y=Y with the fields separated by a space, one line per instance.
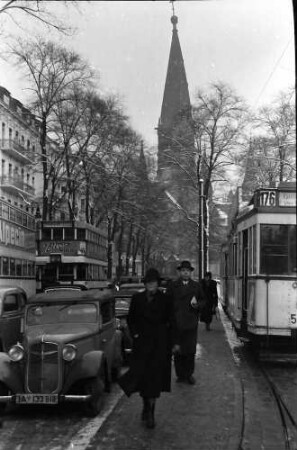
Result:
x=273 y=70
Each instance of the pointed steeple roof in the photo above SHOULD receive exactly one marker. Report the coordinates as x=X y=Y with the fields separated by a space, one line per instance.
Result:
x=176 y=97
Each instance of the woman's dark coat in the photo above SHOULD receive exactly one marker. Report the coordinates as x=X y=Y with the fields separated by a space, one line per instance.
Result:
x=211 y=294
x=186 y=317
x=150 y=323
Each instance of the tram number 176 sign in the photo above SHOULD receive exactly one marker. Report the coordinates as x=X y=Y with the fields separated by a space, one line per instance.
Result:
x=267 y=198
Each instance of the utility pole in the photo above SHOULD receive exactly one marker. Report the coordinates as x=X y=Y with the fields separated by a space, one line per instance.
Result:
x=201 y=230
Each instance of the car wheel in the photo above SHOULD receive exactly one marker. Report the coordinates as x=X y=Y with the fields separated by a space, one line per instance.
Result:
x=3 y=391
x=95 y=388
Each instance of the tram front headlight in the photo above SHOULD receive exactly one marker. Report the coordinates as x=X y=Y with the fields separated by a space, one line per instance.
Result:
x=69 y=352
x=16 y=352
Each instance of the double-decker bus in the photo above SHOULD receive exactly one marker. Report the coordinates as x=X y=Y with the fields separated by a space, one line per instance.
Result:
x=17 y=248
x=259 y=268
x=71 y=252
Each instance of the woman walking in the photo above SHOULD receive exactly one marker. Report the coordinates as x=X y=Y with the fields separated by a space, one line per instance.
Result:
x=150 y=320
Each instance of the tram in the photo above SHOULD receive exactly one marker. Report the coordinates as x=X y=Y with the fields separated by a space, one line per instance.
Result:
x=17 y=248
x=259 y=269
x=71 y=253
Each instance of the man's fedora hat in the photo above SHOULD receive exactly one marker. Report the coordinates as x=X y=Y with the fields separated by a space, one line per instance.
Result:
x=185 y=265
x=152 y=275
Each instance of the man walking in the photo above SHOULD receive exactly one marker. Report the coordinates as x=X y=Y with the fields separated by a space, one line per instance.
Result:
x=209 y=287
x=187 y=296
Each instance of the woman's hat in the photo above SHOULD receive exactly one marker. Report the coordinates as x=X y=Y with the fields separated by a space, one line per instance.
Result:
x=152 y=275
x=185 y=265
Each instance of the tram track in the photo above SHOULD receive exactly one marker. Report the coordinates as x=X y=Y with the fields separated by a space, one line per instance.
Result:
x=287 y=419
x=268 y=421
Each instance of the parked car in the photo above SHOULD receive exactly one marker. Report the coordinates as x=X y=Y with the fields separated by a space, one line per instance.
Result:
x=12 y=302
x=122 y=304
x=70 y=351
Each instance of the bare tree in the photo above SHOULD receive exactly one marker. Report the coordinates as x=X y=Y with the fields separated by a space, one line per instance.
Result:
x=277 y=123
x=52 y=71
x=38 y=10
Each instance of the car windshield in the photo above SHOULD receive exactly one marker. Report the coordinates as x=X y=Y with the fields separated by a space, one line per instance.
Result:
x=67 y=313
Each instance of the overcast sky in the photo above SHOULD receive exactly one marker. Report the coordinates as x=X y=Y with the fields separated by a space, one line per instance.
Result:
x=248 y=44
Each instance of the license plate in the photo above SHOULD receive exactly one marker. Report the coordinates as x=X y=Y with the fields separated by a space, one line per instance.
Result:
x=36 y=399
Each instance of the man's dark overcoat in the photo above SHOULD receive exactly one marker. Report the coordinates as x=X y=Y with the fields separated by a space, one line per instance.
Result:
x=210 y=289
x=150 y=366
x=186 y=317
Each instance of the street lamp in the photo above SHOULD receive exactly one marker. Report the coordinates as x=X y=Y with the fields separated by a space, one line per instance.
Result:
x=201 y=230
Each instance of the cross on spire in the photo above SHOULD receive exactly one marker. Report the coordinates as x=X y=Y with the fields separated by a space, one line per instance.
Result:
x=172 y=4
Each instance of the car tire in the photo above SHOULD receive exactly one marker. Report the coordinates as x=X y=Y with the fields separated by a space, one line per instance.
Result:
x=3 y=391
x=95 y=388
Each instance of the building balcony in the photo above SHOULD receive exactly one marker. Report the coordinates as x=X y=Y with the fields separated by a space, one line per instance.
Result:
x=16 y=151
x=15 y=185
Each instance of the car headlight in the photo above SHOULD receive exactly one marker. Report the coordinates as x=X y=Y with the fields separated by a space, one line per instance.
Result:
x=16 y=353
x=69 y=352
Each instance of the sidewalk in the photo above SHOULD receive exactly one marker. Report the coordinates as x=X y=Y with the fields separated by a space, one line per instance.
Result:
x=205 y=416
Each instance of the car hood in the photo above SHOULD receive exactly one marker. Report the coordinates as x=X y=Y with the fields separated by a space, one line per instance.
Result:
x=60 y=332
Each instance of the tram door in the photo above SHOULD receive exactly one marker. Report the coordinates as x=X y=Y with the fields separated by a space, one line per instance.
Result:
x=244 y=279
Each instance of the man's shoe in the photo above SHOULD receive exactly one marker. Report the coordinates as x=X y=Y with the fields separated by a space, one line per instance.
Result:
x=191 y=380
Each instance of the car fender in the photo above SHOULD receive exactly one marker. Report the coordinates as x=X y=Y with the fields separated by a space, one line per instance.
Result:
x=10 y=373
x=87 y=367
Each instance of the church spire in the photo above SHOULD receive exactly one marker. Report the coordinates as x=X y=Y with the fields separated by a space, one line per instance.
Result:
x=176 y=99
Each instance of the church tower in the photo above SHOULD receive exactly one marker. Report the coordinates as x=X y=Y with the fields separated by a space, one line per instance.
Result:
x=176 y=164
x=176 y=108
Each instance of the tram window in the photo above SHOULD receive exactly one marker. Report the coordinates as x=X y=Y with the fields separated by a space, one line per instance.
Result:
x=5 y=266
x=292 y=249
x=81 y=234
x=12 y=266
x=24 y=268
x=277 y=253
x=58 y=234
x=81 y=271
x=46 y=234
x=69 y=234
x=18 y=264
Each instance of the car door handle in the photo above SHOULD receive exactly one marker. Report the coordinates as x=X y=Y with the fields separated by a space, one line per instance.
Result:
x=104 y=340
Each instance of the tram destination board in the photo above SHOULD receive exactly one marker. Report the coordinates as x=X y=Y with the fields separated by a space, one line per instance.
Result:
x=273 y=198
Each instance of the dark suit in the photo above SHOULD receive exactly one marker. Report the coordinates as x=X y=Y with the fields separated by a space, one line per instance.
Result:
x=186 y=324
x=150 y=324
x=210 y=289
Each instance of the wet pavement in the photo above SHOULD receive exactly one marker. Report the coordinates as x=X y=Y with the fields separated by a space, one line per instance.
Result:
x=207 y=415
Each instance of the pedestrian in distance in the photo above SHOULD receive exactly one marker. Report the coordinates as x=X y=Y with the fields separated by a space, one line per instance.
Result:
x=209 y=287
x=150 y=321
x=187 y=298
